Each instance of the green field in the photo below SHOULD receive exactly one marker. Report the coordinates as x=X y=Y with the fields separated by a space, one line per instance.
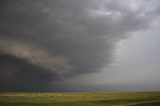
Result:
x=80 y=99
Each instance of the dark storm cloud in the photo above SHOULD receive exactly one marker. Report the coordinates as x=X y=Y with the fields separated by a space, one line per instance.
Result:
x=17 y=74
x=61 y=38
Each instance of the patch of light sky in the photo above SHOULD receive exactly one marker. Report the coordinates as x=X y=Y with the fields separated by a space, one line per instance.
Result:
x=136 y=61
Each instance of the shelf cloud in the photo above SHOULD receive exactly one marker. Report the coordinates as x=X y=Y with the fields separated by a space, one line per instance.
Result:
x=46 y=40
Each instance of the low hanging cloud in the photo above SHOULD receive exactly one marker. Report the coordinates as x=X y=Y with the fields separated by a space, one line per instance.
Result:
x=45 y=40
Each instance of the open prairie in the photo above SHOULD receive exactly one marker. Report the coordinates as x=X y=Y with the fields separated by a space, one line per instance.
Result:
x=80 y=99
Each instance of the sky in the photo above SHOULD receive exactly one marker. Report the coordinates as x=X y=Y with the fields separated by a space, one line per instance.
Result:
x=79 y=45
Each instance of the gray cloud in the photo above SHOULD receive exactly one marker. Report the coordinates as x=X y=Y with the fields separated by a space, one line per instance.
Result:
x=66 y=37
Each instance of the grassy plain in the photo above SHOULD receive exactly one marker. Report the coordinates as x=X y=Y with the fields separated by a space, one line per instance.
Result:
x=80 y=99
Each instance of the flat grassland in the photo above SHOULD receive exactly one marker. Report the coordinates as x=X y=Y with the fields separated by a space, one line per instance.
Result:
x=80 y=99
